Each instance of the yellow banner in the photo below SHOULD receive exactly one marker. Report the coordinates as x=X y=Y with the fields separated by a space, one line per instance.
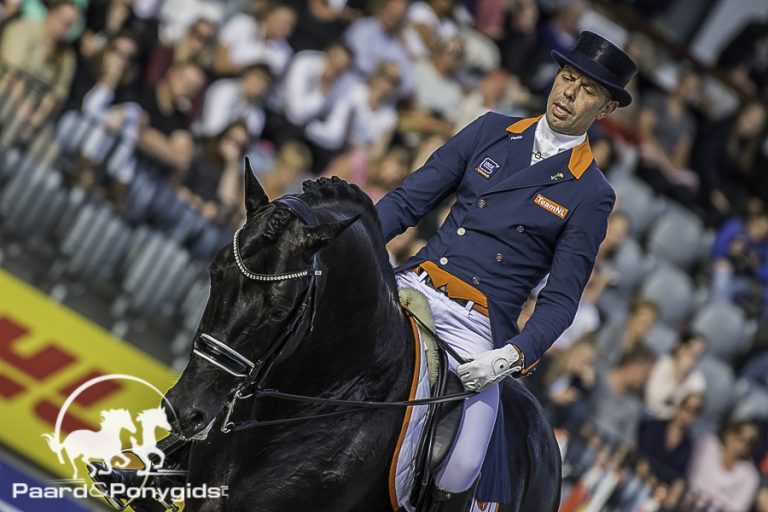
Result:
x=46 y=352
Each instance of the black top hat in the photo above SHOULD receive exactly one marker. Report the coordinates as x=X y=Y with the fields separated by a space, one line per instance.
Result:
x=602 y=61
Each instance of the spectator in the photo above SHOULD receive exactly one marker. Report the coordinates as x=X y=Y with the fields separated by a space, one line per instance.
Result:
x=292 y=165
x=675 y=375
x=437 y=91
x=568 y=382
x=89 y=127
x=498 y=91
x=667 y=129
x=378 y=38
x=616 y=234
x=214 y=182
x=164 y=131
x=616 y=405
x=105 y=18
x=231 y=99
x=740 y=262
x=722 y=469
x=744 y=57
x=668 y=443
x=429 y=22
x=178 y=15
x=39 y=50
x=364 y=118
x=105 y=78
x=311 y=85
x=619 y=337
x=520 y=48
x=587 y=318
x=727 y=159
x=245 y=40
x=558 y=33
x=387 y=173
x=195 y=46
x=319 y=24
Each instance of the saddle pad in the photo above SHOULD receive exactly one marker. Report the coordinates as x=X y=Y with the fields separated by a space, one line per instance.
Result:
x=402 y=467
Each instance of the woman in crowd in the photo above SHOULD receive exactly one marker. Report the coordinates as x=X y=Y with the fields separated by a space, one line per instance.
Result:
x=668 y=443
x=722 y=469
x=213 y=185
x=362 y=121
x=675 y=375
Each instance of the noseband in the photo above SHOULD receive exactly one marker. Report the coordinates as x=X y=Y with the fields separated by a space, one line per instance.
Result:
x=253 y=373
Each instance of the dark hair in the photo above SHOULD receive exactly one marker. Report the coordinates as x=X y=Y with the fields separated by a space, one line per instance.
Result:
x=734 y=427
x=339 y=43
x=258 y=68
x=638 y=354
x=687 y=337
x=211 y=150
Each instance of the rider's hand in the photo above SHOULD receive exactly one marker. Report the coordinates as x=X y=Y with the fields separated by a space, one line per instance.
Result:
x=490 y=367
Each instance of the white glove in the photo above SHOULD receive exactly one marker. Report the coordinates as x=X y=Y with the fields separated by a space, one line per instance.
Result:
x=489 y=367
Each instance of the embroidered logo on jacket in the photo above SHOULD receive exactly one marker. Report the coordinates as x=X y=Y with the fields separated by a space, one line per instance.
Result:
x=487 y=167
x=551 y=206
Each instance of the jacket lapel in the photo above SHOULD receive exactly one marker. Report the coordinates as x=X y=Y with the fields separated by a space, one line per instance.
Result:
x=566 y=166
x=520 y=144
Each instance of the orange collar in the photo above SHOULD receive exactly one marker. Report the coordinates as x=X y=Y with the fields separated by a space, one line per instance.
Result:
x=581 y=155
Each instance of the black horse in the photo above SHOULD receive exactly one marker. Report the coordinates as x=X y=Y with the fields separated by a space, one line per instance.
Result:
x=313 y=310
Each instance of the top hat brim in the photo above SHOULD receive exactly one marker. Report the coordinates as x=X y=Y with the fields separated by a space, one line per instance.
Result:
x=588 y=67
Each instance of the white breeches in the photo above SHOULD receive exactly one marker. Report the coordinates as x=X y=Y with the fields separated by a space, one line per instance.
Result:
x=468 y=332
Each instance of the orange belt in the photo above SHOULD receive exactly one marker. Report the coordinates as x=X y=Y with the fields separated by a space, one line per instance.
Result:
x=453 y=287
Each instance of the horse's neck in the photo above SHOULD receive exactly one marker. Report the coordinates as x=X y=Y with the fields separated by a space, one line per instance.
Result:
x=148 y=434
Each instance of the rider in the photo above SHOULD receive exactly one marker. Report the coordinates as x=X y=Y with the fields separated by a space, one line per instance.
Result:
x=530 y=200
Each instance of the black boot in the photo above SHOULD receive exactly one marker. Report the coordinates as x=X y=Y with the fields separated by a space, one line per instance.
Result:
x=444 y=501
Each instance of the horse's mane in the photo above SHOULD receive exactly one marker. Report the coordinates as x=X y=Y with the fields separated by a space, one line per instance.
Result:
x=336 y=195
x=335 y=192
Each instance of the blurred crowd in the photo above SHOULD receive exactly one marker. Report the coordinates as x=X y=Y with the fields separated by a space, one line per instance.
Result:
x=121 y=93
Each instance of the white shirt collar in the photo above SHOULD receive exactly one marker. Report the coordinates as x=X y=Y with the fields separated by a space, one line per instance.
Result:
x=547 y=142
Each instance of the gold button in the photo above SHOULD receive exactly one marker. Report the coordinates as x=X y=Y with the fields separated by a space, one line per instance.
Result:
x=499 y=257
x=481 y=203
x=443 y=260
x=475 y=280
x=461 y=231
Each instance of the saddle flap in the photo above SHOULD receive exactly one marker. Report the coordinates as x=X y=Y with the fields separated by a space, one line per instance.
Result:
x=447 y=423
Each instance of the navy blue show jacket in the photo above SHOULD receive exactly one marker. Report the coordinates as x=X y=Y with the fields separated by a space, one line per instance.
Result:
x=511 y=224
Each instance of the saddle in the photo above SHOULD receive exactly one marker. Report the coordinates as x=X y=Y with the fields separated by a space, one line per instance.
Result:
x=443 y=420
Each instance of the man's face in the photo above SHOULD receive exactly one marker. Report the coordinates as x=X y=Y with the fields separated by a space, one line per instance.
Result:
x=576 y=101
x=60 y=20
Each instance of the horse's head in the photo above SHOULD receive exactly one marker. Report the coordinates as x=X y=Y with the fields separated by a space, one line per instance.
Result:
x=153 y=418
x=257 y=311
x=117 y=419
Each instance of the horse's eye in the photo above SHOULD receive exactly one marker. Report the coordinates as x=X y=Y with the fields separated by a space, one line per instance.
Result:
x=279 y=313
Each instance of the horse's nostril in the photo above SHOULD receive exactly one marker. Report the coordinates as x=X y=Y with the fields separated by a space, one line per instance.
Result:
x=193 y=422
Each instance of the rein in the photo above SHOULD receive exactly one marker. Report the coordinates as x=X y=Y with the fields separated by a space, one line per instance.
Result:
x=253 y=373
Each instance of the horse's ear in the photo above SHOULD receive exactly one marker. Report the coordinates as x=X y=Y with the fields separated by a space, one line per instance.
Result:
x=255 y=197
x=318 y=237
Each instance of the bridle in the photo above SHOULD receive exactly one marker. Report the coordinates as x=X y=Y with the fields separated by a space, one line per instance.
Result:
x=253 y=373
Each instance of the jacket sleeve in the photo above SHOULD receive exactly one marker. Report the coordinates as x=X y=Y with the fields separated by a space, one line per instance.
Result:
x=571 y=268
x=429 y=185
